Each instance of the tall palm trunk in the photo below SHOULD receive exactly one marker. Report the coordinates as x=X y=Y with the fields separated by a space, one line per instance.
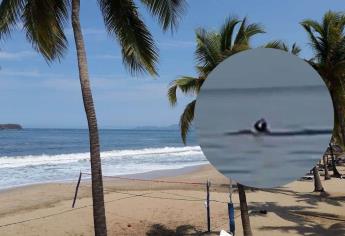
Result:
x=334 y=166
x=325 y=166
x=247 y=231
x=96 y=168
x=317 y=182
x=338 y=100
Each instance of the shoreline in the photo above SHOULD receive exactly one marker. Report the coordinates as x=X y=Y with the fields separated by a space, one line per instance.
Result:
x=148 y=175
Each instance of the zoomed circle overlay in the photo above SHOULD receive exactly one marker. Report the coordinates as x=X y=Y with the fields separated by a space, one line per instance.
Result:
x=263 y=117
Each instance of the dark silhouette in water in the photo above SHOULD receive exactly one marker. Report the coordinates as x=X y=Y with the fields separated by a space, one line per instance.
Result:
x=261 y=126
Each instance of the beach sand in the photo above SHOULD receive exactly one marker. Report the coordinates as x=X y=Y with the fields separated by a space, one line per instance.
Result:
x=149 y=208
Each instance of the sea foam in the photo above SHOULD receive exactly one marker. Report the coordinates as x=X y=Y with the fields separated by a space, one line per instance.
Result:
x=60 y=159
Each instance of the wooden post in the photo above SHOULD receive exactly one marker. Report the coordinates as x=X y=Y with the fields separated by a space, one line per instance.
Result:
x=76 y=190
x=247 y=231
x=317 y=182
x=208 y=206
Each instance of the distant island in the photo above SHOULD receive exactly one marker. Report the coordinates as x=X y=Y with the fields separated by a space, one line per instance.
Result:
x=10 y=126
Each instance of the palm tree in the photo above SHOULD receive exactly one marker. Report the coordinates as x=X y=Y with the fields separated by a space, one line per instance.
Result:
x=325 y=166
x=334 y=165
x=44 y=22
x=327 y=39
x=212 y=48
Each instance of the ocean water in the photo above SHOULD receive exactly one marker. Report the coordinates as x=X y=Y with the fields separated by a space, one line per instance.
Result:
x=46 y=155
x=300 y=120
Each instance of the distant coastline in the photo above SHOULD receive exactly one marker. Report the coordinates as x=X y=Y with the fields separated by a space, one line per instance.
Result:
x=10 y=126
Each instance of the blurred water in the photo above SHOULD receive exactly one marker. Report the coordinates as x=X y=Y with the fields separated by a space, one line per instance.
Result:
x=248 y=157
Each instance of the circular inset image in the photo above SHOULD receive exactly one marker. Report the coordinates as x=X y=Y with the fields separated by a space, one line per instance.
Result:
x=264 y=117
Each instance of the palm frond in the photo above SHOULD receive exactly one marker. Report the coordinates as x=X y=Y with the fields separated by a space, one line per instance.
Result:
x=227 y=32
x=310 y=27
x=186 y=120
x=278 y=44
x=123 y=22
x=236 y=48
x=186 y=84
x=207 y=51
x=44 y=25
x=10 y=12
x=245 y=32
x=189 y=84
x=295 y=49
x=212 y=48
x=241 y=34
x=172 y=96
x=168 y=12
x=253 y=29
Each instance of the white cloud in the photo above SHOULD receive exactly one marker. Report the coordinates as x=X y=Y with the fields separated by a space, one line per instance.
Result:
x=16 y=55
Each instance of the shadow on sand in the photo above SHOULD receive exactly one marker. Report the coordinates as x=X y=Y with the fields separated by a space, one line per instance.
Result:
x=182 y=230
x=306 y=218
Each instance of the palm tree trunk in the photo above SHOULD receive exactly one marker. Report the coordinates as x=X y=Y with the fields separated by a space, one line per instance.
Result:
x=338 y=99
x=247 y=231
x=317 y=182
x=96 y=168
x=336 y=173
x=325 y=166
x=334 y=166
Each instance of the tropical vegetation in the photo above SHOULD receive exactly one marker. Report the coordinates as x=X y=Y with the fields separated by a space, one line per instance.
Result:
x=327 y=39
x=211 y=49
x=44 y=23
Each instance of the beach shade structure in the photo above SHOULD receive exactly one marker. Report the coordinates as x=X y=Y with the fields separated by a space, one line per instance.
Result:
x=277 y=92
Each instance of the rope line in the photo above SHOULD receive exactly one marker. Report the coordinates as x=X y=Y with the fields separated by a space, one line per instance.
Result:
x=129 y=195
x=67 y=211
x=201 y=199
x=149 y=180
x=159 y=181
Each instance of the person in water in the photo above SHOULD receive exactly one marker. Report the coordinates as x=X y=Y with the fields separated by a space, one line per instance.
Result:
x=261 y=126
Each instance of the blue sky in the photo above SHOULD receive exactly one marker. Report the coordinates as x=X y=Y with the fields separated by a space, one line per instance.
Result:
x=36 y=94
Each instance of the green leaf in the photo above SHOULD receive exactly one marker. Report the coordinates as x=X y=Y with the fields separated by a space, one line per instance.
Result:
x=186 y=120
x=168 y=12
x=122 y=20
x=10 y=12
x=44 y=25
